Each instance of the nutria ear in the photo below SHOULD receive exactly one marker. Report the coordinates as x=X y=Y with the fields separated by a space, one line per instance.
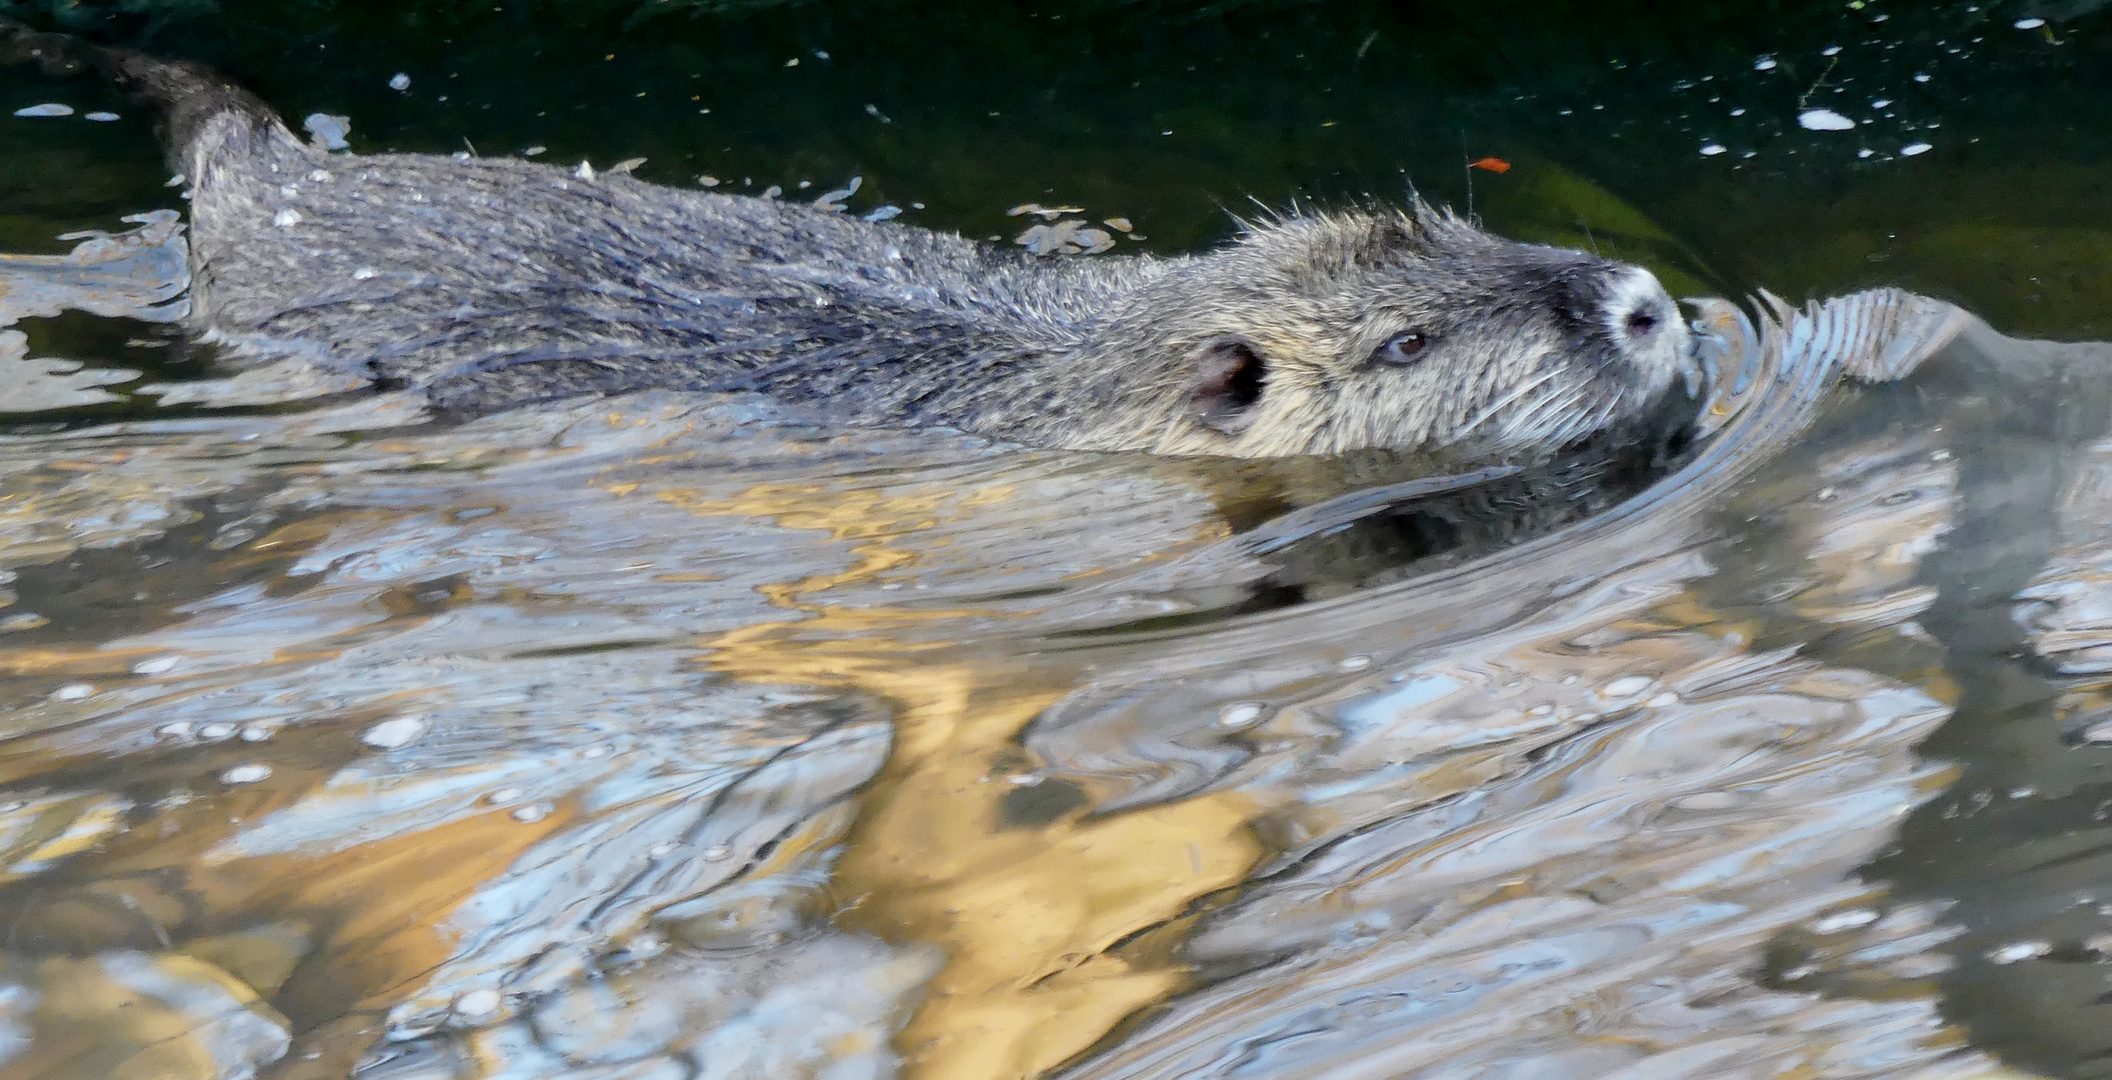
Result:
x=1229 y=377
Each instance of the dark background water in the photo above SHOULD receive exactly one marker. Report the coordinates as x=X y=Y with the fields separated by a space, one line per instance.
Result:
x=1181 y=115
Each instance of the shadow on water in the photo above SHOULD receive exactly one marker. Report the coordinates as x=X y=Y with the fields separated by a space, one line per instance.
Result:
x=686 y=736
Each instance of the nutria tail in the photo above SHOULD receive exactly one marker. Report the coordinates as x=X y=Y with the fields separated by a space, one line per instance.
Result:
x=189 y=98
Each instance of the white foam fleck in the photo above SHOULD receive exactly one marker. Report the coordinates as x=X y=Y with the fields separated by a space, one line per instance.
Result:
x=1239 y=714
x=286 y=218
x=72 y=692
x=1823 y=120
x=245 y=774
x=1712 y=149
x=1628 y=686
x=1844 y=920
x=216 y=731
x=394 y=734
x=100 y=117
x=477 y=1004
x=399 y=81
x=156 y=666
x=49 y=108
x=1912 y=149
x=2018 y=950
x=2028 y=24
x=1765 y=63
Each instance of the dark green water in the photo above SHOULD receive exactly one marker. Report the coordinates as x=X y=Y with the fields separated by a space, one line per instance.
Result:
x=1181 y=116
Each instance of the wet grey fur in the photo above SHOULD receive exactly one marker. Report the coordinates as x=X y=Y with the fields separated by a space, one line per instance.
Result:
x=489 y=283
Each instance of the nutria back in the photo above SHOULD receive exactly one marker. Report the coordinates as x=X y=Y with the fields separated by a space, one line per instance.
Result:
x=490 y=283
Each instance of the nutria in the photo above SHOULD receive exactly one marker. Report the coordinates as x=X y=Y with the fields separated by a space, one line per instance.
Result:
x=494 y=282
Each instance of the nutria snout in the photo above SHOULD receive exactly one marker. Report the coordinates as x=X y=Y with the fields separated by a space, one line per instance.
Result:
x=490 y=283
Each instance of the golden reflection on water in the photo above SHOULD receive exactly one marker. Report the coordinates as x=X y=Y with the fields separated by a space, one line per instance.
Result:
x=1026 y=915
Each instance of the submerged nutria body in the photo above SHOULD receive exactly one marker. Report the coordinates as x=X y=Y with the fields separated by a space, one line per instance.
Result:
x=493 y=282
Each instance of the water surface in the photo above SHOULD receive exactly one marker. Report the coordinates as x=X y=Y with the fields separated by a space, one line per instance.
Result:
x=684 y=736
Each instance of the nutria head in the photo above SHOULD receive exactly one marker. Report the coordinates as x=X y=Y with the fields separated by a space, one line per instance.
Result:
x=1408 y=330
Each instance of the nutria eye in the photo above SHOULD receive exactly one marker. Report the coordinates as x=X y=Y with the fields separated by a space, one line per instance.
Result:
x=1402 y=349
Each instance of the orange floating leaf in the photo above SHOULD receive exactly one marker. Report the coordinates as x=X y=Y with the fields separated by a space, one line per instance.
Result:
x=1492 y=164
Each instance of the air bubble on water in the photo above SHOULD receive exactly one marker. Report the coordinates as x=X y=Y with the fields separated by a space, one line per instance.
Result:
x=2028 y=24
x=49 y=108
x=1739 y=111
x=506 y=794
x=2019 y=950
x=1629 y=686
x=1712 y=149
x=1022 y=779
x=177 y=730
x=363 y=273
x=399 y=81
x=1881 y=103
x=1865 y=152
x=532 y=813
x=1355 y=663
x=1912 y=149
x=1237 y=715
x=2023 y=792
x=1823 y=120
x=245 y=774
x=394 y=734
x=715 y=853
x=1830 y=50
x=534 y=150
x=2100 y=732
x=156 y=666
x=662 y=849
x=216 y=730
x=100 y=117
x=258 y=733
x=72 y=692
x=1765 y=63
x=286 y=218
x=882 y=213
x=1844 y=920
x=1922 y=76
x=1662 y=700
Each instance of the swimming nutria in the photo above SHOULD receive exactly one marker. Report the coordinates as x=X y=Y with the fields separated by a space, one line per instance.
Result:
x=491 y=282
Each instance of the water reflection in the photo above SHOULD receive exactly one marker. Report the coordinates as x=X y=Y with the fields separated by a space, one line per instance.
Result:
x=682 y=736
